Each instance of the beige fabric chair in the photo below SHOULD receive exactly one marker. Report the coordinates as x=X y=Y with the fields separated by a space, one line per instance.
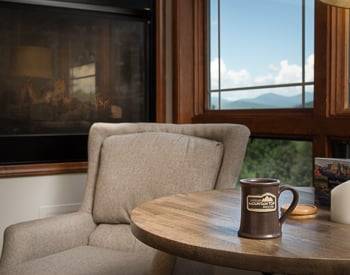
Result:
x=128 y=164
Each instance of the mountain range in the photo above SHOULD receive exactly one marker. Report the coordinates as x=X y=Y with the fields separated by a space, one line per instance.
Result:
x=267 y=101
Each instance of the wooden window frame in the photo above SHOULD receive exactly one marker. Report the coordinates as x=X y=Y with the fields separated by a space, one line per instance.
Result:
x=338 y=92
x=319 y=125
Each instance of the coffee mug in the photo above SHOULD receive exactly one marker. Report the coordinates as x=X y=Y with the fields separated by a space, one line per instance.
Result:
x=259 y=210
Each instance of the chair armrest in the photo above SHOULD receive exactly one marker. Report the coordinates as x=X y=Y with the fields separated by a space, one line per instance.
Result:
x=39 y=238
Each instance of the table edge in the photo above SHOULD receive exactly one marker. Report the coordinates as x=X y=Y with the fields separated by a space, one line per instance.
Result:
x=225 y=258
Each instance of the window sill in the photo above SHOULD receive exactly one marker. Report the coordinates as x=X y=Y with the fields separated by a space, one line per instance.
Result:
x=41 y=169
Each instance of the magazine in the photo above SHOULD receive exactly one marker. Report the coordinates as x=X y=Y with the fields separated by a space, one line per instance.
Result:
x=329 y=173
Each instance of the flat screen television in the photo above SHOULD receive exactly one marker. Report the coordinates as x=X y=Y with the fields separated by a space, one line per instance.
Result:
x=67 y=64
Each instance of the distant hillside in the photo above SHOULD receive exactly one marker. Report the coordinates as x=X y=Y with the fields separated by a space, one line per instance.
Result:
x=269 y=100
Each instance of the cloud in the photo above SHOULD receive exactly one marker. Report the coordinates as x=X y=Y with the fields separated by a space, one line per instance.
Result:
x=261 y=80
x=309 y=68
x=288 y=73
x=282 y=73
x=229 y=78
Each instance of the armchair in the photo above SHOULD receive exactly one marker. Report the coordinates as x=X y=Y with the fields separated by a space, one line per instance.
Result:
x=128 y=164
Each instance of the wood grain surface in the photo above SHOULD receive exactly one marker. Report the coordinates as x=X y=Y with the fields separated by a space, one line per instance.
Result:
x=203 y=226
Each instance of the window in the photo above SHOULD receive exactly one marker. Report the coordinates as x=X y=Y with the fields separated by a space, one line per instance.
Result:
x=83 y=81
x=340 y=149
x=249 y=36
x=261 y=54
x=288 y=160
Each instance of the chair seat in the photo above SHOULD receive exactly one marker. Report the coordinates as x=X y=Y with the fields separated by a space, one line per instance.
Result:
x=87 y=260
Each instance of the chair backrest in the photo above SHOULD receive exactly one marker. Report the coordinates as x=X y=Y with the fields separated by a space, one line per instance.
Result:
x=133 y=162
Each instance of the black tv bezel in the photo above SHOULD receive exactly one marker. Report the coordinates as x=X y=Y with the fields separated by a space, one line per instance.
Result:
x=58 y=148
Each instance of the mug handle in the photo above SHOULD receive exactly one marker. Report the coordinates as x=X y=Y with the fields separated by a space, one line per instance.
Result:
x=292 y=205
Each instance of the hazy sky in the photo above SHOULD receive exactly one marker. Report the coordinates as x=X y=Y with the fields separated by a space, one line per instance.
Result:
x=261 y=43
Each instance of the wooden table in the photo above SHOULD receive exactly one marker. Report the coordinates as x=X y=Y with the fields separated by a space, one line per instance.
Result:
x=203 y=226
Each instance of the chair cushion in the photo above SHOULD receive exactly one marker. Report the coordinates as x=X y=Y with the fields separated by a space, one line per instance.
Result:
x=135 y=168
x=86 y=260
x=118 y=237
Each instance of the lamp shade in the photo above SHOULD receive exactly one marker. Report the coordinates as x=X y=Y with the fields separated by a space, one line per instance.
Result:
x=33 y=62
x=338 y=3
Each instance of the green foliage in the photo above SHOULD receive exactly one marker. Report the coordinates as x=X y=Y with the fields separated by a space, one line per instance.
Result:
x=289 y=161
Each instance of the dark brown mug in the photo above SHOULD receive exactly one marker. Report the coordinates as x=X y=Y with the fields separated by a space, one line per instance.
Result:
x=259 y=211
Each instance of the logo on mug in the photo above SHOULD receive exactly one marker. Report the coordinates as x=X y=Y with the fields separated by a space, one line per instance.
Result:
x=261 y=203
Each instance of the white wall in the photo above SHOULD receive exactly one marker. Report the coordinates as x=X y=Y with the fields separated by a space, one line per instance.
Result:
x=28 y=198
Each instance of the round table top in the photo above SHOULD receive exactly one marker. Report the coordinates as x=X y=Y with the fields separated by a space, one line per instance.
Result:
x=203 y=226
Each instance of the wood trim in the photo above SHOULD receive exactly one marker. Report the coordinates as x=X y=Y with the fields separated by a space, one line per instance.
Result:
x=322 y=59
x=321 y=146
x=190 y=59
x=339 y=56
x=160 y=20
x=346 y=60
x=292 y=125
x=200 y=56
x=183 y=61
x=42 y=169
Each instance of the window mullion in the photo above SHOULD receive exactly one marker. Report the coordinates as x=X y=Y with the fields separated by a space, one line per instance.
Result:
x=303 y=51
x=264 y=87
x=209 y=28
x=219 y=54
